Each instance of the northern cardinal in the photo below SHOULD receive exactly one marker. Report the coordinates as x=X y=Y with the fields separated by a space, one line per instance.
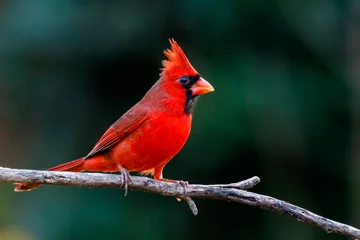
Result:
x=152 y=132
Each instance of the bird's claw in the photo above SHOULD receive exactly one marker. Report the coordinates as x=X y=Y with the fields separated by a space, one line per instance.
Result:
x=184 y=184
x=125 y=178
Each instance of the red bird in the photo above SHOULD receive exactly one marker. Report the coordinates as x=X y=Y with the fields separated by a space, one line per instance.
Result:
x=153 y=131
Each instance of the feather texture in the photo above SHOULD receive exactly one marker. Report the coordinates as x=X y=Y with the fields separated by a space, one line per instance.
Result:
x=152 y=132
x=177 y=63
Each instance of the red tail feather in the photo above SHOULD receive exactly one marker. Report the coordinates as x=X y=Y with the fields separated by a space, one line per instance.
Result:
x=73 y=166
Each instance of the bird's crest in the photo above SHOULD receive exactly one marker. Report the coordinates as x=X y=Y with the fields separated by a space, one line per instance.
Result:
x=177 y=63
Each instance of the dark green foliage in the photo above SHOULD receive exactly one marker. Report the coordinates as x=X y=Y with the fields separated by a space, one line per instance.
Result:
x=281 y=111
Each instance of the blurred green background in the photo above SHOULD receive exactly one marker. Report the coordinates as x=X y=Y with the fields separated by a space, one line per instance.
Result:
x=286 y=108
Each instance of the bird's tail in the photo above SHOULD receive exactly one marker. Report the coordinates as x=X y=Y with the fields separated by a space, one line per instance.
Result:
x=73 y=166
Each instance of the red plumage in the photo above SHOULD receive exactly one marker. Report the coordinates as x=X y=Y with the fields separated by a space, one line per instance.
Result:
x=153 y=131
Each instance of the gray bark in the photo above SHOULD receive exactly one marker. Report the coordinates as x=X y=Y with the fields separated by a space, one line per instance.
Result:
x=235 y=192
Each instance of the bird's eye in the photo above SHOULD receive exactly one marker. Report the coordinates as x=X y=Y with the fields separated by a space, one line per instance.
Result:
x=184 y=80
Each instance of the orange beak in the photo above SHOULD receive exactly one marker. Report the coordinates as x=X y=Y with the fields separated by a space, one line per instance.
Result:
x=201 y=87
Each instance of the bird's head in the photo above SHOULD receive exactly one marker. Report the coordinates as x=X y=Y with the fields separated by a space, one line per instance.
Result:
x=180 y=77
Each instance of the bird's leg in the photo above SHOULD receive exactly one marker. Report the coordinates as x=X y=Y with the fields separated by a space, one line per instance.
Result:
x=159 y=176
x=125 y=178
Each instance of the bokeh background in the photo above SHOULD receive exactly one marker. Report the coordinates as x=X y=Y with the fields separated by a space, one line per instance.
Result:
x=286 y=108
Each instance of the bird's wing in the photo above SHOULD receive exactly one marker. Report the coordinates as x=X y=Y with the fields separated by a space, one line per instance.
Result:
x=124 y=126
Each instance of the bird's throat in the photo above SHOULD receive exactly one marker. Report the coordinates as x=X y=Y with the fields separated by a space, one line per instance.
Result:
x=189 y=102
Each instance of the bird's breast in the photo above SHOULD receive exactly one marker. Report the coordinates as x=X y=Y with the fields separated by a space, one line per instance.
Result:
x=154 y=143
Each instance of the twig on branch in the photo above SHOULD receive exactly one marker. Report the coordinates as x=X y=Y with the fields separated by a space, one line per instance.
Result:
x=235 y=192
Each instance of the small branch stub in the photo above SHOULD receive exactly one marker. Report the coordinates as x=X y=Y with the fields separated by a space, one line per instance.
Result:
x=235 y=192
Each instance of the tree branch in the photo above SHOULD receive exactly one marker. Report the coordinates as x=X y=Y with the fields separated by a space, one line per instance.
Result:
x=235 y=192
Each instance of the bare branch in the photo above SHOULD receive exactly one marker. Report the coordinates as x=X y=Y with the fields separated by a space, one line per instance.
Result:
x=235 y=192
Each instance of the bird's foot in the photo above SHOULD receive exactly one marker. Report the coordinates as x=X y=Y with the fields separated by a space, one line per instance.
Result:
x=182 y=183
x=125 y=178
